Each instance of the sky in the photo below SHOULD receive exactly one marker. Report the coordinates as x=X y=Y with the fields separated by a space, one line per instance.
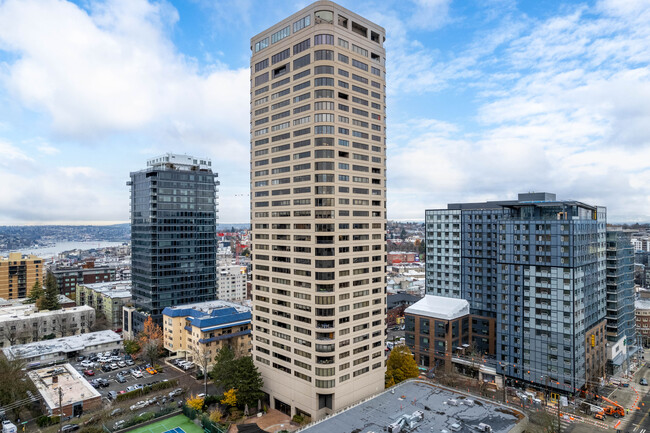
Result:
x=486 y=99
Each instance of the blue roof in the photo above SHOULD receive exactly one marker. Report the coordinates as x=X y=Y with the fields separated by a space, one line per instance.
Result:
x=221 y=319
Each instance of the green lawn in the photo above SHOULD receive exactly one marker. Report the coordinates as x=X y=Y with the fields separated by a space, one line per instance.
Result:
x=167 y=424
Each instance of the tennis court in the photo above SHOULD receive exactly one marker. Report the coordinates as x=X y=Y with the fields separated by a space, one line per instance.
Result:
x=175 y=424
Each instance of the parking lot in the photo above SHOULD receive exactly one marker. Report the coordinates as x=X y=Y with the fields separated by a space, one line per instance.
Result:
x=168 y=372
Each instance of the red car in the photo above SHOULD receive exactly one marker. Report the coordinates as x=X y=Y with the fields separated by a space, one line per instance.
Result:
x=89 y=372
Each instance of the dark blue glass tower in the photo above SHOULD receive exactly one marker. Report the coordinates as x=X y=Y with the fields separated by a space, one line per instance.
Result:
x=173 y=234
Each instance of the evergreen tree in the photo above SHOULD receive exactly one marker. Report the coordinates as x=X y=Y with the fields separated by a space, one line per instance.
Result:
x=223 y=369
x=240 y=374
x=35 y=293
x=248 y=382
x=50 y=299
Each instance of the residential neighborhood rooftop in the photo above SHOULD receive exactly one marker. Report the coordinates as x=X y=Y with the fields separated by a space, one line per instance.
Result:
x=64 y=344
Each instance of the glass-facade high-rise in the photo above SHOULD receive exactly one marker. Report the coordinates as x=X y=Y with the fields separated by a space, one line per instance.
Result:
x=318 y=209
x=621 y=333
x=173 y=234
x=536 y=265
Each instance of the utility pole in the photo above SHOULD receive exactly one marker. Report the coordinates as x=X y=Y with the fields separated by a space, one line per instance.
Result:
x=60 y=407
x=559 y=426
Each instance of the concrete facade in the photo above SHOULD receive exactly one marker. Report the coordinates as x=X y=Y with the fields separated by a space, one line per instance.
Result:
x=18 y=274
x=25 y=323
x=537 y=266
x=231 y=283
x=109 y=298
x=318 y=208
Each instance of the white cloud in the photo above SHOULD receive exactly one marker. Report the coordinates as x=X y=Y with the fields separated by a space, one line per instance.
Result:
x=11 y=155
x=430 y=14
x=565 y=112
x=114 y=70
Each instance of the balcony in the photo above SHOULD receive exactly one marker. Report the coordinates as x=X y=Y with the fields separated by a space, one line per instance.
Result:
x=325 y=347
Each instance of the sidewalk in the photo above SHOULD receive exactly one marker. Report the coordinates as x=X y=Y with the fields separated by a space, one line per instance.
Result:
x=273 y=421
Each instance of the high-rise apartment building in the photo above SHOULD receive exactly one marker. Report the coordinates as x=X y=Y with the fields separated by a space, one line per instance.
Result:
x=18 y=273
x=621 y=335
x=536 y=265
x=173 y=236
x=318 y=208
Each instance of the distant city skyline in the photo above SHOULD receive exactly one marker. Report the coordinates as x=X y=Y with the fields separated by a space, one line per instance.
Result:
x=486 y=99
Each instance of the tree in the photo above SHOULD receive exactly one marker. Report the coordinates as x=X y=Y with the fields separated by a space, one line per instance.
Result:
x=150 y=341
x=248 y=381
x=36 y=293
x=230 y=397
x=223 y=369
x=131 y=347
x=101 y=322
x=13 y=383
x=151 y=352
x=50 y=298
x=238 y=373
x=202 y=358
x=216 y=415
x=195 y=402
x=401 y=365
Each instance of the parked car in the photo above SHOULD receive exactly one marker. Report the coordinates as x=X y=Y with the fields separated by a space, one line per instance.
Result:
x=89 y=373
x=112 y=395
x=120 y=378
x=137 y=374
x=151 y=370
x=103 y=382
x=87 y=363
x=121 y=364
x=106 y=368
x=129 y=362
x=95 y=383
x=188 y=365
x=80 y=358
x=643 y=382
x=138 y=386
x=130 y=388
x=70 y=427
x=119 y=424
x=175 y=392
x=114 y=366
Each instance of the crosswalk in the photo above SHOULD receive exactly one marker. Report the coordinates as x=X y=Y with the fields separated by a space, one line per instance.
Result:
x=636 y=430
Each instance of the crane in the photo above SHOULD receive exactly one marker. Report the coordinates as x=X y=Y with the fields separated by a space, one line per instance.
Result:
x=616 y=409
x=597 y=411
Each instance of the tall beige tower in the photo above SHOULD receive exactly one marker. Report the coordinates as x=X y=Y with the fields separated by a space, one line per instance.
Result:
x=318 y=209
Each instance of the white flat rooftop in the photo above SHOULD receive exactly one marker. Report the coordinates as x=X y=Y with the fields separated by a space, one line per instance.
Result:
x=208 y=306
x=71 y=382
x=439 y=307
x=61 y=345
x=16 y=311
x=112 y=289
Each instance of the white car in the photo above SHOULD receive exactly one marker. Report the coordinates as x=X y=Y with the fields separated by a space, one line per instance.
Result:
x=87 y=364
x=121 y=364
x=137 y=374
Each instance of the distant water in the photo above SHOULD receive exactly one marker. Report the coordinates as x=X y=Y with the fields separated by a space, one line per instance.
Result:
x=59 y=247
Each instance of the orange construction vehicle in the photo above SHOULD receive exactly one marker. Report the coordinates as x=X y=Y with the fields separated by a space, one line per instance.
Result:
x=616 y=410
